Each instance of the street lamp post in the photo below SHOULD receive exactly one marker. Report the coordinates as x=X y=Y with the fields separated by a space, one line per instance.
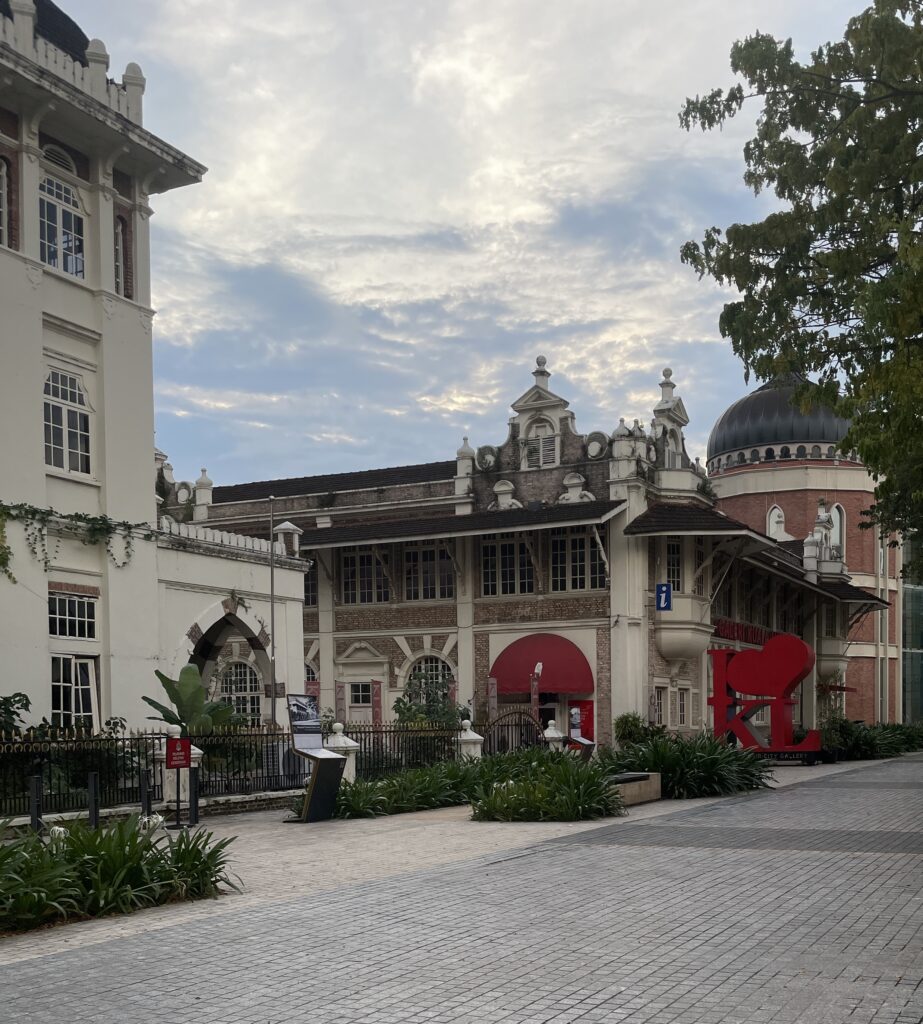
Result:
x=272 y=606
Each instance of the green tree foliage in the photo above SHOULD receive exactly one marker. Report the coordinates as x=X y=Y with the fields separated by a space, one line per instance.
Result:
x=832 y=283
x=191 y=711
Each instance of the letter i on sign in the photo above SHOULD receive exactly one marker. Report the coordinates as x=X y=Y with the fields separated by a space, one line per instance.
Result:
x=663 y=597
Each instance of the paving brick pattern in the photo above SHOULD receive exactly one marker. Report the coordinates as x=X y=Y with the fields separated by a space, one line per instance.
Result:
x=587 y=926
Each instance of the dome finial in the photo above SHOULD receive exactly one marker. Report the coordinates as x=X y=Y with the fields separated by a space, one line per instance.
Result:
x=540 y=374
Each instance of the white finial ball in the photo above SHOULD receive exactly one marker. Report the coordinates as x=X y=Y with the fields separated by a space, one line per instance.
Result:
x=540 y=362
x=667 y=373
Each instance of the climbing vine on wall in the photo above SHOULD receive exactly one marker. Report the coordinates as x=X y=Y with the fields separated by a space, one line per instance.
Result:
x=40 y=524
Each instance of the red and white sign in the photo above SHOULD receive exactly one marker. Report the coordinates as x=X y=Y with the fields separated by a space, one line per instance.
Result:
x=179 y=752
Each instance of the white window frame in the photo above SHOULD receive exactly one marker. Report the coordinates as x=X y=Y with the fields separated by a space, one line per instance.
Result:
x=575 y=562
x=62 y=226
x=120 y=246
x=67 y=423
x=362 y=577
x=683 y=706
x=247 y=700
x=75 y=694
x=699 y=570
x=310 y=586
x=661 y=705
x=360 y=695
x=838 y=533
x=673 y=561
x=429 y=574
x=506 y=567
x=72 y=616
x=433 y=668
x=540 y=448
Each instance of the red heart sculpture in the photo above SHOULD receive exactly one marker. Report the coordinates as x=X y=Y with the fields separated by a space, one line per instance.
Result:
x=773 y=671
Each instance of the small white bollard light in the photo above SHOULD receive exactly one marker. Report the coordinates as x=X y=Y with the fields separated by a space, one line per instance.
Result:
x=553 y=736
x=340 y=743
x=470 y=742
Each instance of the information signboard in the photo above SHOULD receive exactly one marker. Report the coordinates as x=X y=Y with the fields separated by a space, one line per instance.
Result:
x=304 y=719
x=179 y=752
x=664 y=597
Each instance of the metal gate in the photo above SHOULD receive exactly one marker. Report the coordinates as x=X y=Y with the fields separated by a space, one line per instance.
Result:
x=512 y=730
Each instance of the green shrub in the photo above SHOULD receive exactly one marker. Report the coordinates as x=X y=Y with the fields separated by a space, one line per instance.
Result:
x=79 y=872
x=632 y=728
x=691 y=767
x=565 y=789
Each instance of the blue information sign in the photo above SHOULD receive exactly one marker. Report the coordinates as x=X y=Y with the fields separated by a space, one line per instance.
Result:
x=664 y=597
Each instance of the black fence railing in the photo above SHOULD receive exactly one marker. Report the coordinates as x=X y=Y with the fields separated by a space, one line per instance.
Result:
x=501 y=736
x=391 y=747
x=255 y=761
x=65 y=760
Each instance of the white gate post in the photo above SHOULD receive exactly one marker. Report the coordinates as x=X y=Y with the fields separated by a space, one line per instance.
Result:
x=470 y=742
x=342 y=744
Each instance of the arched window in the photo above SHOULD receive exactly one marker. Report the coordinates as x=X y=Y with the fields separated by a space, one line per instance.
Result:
x=754 y=455
x=815 y=451
x=775 y=522
x=831 y=452
x=67 y=423
x=60 y=158
x=61 y=237
x=240 y=686
x=770 y=455
x=541 y=447
x=430 y=676
x=802 y=452
x=786 y=452
x=838 y=533
x=741 y=458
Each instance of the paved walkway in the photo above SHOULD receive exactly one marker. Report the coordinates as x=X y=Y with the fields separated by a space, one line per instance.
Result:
x=804 y=904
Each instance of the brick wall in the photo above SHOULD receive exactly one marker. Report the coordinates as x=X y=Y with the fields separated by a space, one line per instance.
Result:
x=481 y=672
x=489 y=611
x=800 y=508
x=860 y=674
x=311 y=620
x=397 y=617
x=603 y=694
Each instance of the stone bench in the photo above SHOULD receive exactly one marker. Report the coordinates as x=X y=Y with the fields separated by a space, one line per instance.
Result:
x=638 y=787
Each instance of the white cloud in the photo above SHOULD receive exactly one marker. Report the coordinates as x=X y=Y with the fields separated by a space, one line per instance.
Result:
x=434 y=192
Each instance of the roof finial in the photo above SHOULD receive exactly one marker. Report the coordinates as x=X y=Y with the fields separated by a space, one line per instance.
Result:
x=540 y=374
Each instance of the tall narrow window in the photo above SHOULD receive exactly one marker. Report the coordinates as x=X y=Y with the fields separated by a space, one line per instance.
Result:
x=310 y=586
x=682 y=707
x=838 y=535
x=700 y=566
x=121 y=247
x=74 y=703
x=67 y=423
x=61 y=239
x=675 y=563
x=4 y=202
x=660 y=705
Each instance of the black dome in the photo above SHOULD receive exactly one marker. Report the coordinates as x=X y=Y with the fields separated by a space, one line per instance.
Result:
x=53 y=24
x=767 y=416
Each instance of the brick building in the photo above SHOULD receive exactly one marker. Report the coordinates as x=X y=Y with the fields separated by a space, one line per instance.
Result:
x=544 y=548
x=773 y=465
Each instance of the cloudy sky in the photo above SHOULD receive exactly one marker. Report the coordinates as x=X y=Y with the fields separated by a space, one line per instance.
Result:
x=408 y=200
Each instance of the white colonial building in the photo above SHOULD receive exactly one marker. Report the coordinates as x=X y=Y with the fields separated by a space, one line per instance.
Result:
x=96 y=592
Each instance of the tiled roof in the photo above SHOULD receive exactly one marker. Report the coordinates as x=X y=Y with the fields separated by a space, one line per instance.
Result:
x=425 y=472
x=410 y=528
x=685 y=518
x=840 y=590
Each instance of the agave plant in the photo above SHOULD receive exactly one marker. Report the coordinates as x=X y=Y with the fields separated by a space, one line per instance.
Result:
x=191 y=711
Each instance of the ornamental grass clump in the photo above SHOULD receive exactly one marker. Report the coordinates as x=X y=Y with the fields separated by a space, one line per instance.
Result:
x=77 y=872
x=691 y=767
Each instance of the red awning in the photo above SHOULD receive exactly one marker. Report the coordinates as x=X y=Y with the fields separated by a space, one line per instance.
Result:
x=564 y=667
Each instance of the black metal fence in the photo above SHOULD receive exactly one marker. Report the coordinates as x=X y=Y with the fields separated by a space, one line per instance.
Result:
x=256 y=761
x=65 y=760
x=510 y=732
x=391 y=747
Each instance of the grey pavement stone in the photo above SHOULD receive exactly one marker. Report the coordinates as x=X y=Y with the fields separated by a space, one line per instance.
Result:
x=800 y=905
